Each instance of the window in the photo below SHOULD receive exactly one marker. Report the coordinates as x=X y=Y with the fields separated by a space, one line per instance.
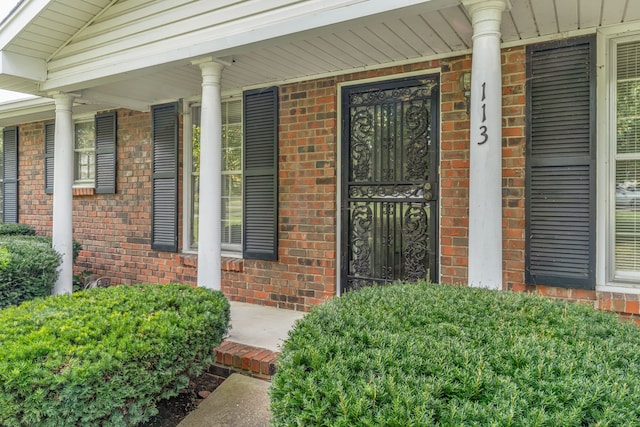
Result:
x=249 y=193
x=231 y=190
x=95 y=153
x=84 y=151
x=626 y=185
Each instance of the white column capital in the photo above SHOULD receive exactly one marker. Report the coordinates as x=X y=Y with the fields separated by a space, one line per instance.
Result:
x=63 y=100
x=486 y=15
x=211 y=70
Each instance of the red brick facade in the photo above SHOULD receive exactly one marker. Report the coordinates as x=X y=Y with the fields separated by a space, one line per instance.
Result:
x=115 y=229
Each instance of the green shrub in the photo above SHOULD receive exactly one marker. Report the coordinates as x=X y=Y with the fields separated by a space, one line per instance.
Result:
x=424 y=355
x=9 y=229
x=28 y=269
x=104 y=357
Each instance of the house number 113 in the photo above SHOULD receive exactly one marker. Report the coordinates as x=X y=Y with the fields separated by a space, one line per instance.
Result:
x=483 y=128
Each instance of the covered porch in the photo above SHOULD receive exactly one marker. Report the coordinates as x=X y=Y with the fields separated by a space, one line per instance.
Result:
x=135 y=55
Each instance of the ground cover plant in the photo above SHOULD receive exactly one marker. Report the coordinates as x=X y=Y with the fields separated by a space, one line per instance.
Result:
x=105 y=356
x=422 y=355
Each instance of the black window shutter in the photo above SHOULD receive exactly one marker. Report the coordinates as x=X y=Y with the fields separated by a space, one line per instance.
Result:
x=260 y=173
x=49 y=149
x=561 y=186
x=10 y=178
x=164 y=233
x=106 y=130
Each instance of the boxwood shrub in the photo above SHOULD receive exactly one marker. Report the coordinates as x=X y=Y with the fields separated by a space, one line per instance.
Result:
x=10 y=229
x=106 y=356
x=28 y=268
x=421 y=355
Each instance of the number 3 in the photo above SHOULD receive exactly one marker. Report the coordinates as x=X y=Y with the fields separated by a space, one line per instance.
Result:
x=483 y=133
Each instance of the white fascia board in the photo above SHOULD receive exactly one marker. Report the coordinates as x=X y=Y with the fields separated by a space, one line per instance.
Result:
x=26 y=111
x=41 y=109
x=26 y=67
x=97 y=97
x=17 y=21
x=219 y=40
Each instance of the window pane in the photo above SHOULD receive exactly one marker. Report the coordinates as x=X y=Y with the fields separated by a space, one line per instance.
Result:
x=232 y=209
x=195 y=202
x=232 y=112
x=628 y=215
x=232 y=159
x=85 y=135
x=84 y=152
x=627 y=164
x=84 y=168
x=628 y=123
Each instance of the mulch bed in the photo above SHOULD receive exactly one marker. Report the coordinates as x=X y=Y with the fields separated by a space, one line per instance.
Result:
x=175 y=409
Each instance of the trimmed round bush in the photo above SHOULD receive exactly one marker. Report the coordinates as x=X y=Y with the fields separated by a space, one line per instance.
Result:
x=106 y=356
x=28 y=269
x=422 y=355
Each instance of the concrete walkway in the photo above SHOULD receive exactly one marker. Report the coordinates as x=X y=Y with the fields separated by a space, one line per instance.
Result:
x=260 y=326
x=242 y=401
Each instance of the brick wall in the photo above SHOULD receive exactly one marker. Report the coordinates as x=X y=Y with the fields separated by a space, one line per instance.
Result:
x=454 y=173
x=305 y=273
x=115 y=229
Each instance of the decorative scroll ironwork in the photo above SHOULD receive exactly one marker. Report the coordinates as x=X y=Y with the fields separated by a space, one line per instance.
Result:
x=361 y=134
x=361 y=220
x=416 y=232
x=417 y=121
x=397 y=191
x=377 y=96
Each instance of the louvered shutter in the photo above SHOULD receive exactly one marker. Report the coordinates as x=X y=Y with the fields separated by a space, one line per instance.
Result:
x=106 y=128
x=560 y=244
x=260 y=174
x=10 y=174
x=49 y=150
x=164 y=234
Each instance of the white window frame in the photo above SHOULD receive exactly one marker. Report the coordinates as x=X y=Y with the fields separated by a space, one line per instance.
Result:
x=83 y=183
x=187 y=134
x=607 y=42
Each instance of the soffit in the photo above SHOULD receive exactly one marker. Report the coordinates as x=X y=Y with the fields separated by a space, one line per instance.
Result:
x=375 y=41
x=387 y=40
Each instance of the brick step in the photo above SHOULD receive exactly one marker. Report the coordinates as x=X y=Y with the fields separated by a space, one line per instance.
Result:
x=233 y=357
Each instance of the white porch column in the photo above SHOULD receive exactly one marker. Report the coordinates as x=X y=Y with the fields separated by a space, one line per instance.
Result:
x=63 y=192
x=485 y=174
x=210 y=210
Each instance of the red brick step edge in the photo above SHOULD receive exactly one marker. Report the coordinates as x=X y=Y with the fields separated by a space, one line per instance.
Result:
x=233 y=357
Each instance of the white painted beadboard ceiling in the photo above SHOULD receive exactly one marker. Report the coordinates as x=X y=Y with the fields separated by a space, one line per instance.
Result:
x=374 y=41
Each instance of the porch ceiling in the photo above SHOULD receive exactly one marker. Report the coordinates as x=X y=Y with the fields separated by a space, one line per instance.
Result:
x=375 y=42
x=404 y=35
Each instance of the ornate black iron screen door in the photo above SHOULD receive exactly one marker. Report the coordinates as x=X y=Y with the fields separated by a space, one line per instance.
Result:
x=389 y=182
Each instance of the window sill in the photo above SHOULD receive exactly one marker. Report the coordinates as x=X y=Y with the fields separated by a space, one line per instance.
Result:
x=227 y=263
x=620 y=288
x=84 y=191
